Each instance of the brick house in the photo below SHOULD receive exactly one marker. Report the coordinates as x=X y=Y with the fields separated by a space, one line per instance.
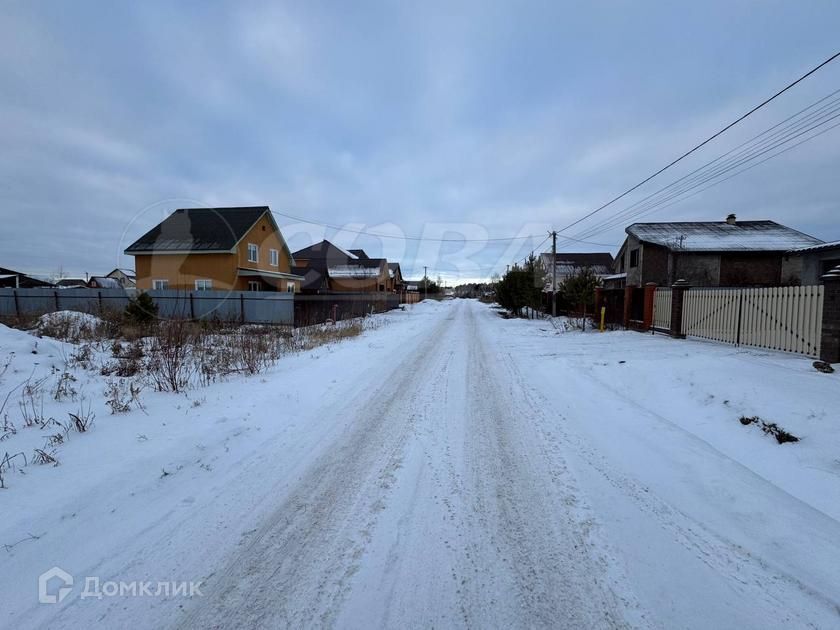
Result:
x=727 y=253
x=196 y=249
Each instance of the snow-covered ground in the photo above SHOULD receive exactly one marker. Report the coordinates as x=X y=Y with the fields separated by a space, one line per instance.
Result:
x=448 y=469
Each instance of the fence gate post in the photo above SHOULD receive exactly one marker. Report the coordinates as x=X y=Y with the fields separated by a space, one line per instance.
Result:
x=192 y=306
x=242 y=306
x=830 y=345
x=647 y=318
x=17 y=303
x=55 y=295
x=678 y=290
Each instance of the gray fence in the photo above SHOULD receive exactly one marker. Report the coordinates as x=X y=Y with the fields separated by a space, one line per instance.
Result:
x=255 y=307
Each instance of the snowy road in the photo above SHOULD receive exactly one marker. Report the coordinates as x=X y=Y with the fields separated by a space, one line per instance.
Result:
x=437 y=506
x=456 y=469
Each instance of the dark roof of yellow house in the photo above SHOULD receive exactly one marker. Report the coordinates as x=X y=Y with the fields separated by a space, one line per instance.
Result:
x=199 y=230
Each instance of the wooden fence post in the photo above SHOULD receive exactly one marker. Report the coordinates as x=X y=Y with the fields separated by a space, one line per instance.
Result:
x=830 y=343
x=678 y=290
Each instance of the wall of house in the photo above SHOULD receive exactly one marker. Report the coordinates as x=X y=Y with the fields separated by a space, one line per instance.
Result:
x=265 y=237
x=655 y=265
x=738 y=269
x=699 y=269
x=363 y=285
x=182 y=270
x=792 y=271
x=807 y=268
x=634 y=274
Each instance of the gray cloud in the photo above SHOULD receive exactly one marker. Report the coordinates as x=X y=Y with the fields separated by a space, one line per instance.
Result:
x=504 y=117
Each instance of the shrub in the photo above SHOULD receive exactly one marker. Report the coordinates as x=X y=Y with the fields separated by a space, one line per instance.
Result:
x=141 y=310
x=170 y=364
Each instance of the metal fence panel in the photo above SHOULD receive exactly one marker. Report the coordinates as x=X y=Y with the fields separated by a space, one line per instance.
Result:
x=259 y=307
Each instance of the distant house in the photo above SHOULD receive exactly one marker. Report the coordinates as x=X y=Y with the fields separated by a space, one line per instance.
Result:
x=126 y=277
x=198 y=249
x=329 y=268
x=806 y=265
x=314 y=261
x=708 y=253
x=569 y=264
x=10 y=278
x=395 y=279
x=72 y=283
x=103 y=282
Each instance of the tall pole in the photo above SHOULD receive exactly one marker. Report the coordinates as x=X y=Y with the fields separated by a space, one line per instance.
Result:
x=554 y=273
x=425 y=282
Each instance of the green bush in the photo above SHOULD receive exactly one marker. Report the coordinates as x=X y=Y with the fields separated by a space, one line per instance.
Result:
x=141 y=310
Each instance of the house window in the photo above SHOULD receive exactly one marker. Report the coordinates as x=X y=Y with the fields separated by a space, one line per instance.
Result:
x=254 y=285
x=290 y=287
x=253 y=253
x=634 y=257
x=160 y=285
x=203 y=285
x=273 y=258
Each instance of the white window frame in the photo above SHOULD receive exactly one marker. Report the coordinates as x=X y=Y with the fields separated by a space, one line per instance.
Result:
x=161 y=284
x=253 y=247
x=273 y=257
x=290 y=287
x=204 y=284
x=254 y=283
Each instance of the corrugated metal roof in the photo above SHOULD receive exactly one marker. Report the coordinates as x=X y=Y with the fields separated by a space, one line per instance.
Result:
x=717 y=236
x=817 y=248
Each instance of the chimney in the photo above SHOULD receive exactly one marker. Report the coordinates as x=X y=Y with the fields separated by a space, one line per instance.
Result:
x=731 y=219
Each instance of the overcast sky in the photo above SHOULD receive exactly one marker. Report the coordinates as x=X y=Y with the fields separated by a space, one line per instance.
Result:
x=487 y=119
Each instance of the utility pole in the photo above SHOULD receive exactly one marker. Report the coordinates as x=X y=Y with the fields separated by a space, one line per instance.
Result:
x=554 y=273
x=425 y=283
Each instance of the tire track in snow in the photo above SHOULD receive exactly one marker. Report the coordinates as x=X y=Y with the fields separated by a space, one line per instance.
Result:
x=531 y=515
x=296 y=569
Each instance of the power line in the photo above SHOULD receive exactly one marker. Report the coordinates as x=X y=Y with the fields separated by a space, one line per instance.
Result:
x=756 y=147
x=406 y=238
x=704 y=142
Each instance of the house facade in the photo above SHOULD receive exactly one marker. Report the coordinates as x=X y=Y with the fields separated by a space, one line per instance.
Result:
x=727 y=253
x=395 y=279
x=194 y=249
x=9 y=278
x=329 y=268
x=126 y=277
x=807 y=265
x=568 y=264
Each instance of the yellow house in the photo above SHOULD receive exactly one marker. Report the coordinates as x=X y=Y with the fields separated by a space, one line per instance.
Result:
x=203 y=249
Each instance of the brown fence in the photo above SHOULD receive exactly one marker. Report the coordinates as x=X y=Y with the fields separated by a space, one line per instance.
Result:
x=613 y=302
x=317 y=309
